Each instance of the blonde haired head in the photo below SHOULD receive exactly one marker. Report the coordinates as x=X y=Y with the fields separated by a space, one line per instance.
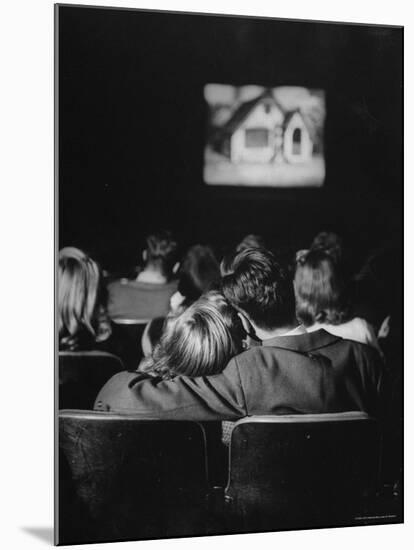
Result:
x=80 y=310
x=201 y=340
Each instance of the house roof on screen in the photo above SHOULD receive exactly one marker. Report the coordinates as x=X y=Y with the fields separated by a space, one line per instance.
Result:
x=243 y=111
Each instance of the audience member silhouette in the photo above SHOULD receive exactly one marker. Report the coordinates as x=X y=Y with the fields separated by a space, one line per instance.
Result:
x=322 y=298
x=149 y=294
x=198 y=273
x=82 y=320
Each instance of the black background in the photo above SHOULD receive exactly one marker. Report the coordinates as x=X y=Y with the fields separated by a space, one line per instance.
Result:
x=132 y=119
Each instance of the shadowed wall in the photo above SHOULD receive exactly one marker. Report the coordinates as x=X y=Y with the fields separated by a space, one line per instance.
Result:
x=132 y=121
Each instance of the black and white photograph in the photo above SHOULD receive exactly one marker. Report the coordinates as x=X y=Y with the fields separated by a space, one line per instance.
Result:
x=228 y=275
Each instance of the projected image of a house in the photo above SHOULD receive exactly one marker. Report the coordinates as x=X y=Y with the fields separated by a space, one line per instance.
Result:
x=273 y=139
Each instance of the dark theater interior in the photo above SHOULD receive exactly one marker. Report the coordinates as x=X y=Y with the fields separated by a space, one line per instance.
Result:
x=132 y=128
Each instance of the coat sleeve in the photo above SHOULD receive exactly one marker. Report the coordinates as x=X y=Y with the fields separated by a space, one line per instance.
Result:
x=218 y=397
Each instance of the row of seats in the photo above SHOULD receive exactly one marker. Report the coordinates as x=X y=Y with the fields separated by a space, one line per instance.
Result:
x=124 y=478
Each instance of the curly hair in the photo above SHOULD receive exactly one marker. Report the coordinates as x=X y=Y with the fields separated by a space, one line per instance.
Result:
x=257 y=285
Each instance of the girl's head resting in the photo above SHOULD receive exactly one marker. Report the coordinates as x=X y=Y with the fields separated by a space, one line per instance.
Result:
x=201 y=340
x=320 y=289
x=80 y=300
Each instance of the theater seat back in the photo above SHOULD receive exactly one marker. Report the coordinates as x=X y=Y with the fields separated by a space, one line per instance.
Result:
x=130 y=478
x=130 y=332
x=82 y=375
x=301 y=470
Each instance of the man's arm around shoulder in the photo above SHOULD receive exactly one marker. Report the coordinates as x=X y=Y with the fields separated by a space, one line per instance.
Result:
x=218 y=397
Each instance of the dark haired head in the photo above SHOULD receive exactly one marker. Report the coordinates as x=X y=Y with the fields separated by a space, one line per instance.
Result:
x=250 y=241
x=320 y=289
x=226 y=264
x=199 y=273
x=161 y=251
x=330 y=242
x=260 y=287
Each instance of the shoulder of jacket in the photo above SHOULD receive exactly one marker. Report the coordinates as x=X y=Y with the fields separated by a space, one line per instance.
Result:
x=365 y=350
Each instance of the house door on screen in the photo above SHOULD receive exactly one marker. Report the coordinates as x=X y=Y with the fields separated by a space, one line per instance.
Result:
x=296 y=141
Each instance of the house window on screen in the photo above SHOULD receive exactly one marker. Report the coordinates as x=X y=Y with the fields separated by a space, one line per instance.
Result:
x=257 y=137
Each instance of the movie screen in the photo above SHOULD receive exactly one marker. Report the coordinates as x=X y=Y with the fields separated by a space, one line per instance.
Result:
x=264 y=137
